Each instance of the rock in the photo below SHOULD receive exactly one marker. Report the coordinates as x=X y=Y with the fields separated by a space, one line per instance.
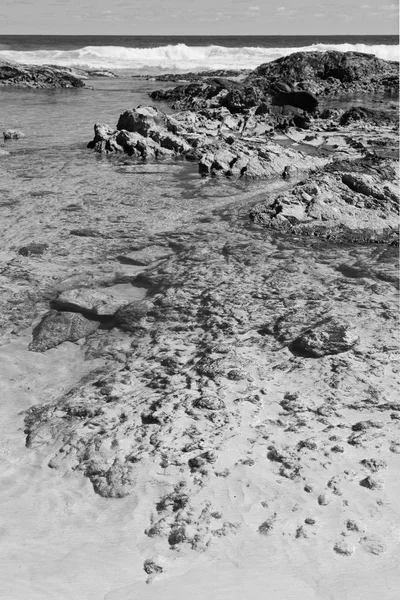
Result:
x=332 y=335
x=13 y=134
x=374 y=464
x=33 y=249
x=355 y=525
x=266 y=527
x=128 y=317
x=146 y=256
x=103 y=302
x=58 y=327
x=209 y=403
x=324 y=500
x=144 y=120
x=336 y=205
x=101 y=73
x=327 y=73
x=361 y=113
x=372 y=483
x=303 y=100
x=144 y=132
x=152 y=568
x=344 y=548
x=35 y=76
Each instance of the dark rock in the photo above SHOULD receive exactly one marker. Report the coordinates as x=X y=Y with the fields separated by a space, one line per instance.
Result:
x=303 y=100
x=33 y=249
x=45 y=76
x=209 y=403
x=85 y=232
x=266 y=527
x=374 y=464
x=372 y=483
x=13 y=134
x=152 y=567
x=332 y=335
x=326 y=73
x=127 y=317
x=58 y=327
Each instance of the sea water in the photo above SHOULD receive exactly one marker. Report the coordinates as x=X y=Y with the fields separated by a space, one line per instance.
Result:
x=59 y=123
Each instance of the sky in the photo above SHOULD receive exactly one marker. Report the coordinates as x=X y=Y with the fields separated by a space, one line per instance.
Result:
x=199 y=17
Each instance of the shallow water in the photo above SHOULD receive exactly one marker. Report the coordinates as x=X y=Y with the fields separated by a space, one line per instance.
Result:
x=62 y=540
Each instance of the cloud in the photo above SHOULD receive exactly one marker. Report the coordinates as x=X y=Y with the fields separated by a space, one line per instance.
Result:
x=281 y=8
x=254 y=9
x=319 y=15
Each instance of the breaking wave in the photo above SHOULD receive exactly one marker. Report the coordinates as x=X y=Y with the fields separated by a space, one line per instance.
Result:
x=179 y=57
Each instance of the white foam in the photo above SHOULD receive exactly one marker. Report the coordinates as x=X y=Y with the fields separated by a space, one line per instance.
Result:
x=180 y=57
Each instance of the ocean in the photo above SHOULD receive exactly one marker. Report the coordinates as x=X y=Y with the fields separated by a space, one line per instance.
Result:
x=156 y=54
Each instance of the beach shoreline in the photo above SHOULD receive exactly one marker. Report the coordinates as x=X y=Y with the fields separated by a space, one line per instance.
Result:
x=208 y=400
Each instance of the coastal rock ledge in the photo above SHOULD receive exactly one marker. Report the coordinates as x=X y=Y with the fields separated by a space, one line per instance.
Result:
x=36 y=76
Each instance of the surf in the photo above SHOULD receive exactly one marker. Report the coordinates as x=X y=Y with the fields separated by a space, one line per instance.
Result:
x=181 y=57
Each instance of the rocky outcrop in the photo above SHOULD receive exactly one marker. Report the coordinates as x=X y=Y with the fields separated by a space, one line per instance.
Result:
x=215 y=139
x=338 y=204
x=211 y=93
x=35 y=76
x=329 y=73
x=318 y=73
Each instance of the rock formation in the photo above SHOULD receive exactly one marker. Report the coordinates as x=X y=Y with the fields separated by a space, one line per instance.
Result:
x=34 y=76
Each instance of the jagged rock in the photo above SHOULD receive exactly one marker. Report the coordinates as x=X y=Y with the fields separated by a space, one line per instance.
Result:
x=336 y=204
x=58 y=327
x=152 y=136
x=372 y=483
x=330 y=336
x=144 y=132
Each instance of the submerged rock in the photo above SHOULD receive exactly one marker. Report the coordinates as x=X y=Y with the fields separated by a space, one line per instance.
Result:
x=58 y=327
